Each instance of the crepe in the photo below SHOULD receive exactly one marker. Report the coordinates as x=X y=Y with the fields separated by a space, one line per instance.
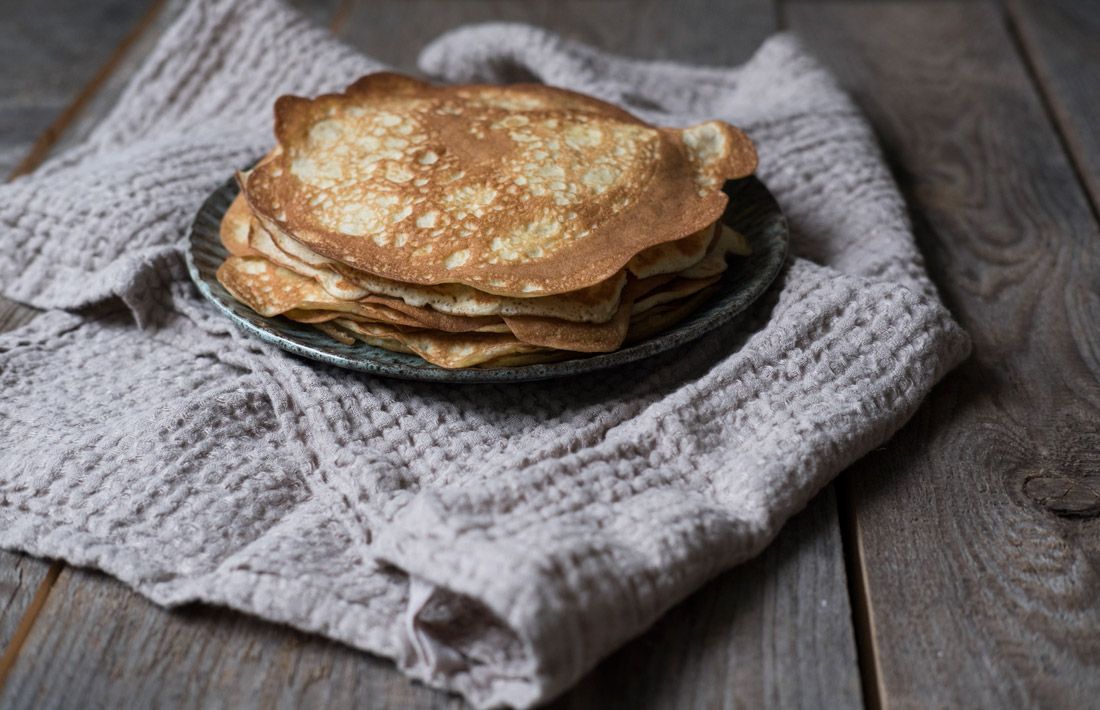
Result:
x=270 y=290
x=236 y=226
x=520 y=191
x=595 y=304
x=481 y=225
x=449 y=350
x=476 y=350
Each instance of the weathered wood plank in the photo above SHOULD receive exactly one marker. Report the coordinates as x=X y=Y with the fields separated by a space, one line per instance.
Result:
x=98 y=642
x=977 y=525
x=20 y=579
x=104 y=99
x=1062 y=41
x=54 y=53
x=699 y=31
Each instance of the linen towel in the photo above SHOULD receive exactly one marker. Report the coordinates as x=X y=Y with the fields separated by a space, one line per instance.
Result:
x=497 y=541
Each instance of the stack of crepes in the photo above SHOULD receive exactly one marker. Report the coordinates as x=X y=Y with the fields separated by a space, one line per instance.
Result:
x=481 y=225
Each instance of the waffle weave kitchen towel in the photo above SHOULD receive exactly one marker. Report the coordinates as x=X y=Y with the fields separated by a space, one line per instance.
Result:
x=496 y=541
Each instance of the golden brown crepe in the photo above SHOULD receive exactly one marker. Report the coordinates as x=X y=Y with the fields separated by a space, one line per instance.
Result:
x=481 y=225
x=519 y=190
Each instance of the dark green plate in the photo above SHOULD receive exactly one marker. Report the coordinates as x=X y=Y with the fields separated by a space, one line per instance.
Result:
x=752 y=211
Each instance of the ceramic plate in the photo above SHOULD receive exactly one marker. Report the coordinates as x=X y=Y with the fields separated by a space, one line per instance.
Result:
x=752 y=211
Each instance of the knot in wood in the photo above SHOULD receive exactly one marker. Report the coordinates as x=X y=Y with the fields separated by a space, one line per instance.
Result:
x=1065 y=494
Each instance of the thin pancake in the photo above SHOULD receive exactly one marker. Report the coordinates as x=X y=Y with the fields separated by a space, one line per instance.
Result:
x=235 y=226
x=307 y=316
x=336 y=333
x=663 y=317
x=450 y=350
x=642 y=326
x=674 y=291
x=520 y=191
x=271 y=290
x=672 y=257
x=728 y=241
x=593 y=304
x=342 y=289
x=582 y=337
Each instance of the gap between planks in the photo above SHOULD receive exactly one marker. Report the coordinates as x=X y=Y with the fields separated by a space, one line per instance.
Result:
x=851 y=546
x=53 y=132
x=859 y=594
x=1028 y=51
x=7 y=659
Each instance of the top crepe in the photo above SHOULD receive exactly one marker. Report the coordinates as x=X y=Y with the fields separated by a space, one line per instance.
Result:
x=521 y=190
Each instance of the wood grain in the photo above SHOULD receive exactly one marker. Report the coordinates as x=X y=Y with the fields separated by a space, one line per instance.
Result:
x=20 y=579
x=1062 y=41
x=697 y=31
x=100 y=101
x=978 y=525
x=100 y=645
x=104 y=98
x=53 y=50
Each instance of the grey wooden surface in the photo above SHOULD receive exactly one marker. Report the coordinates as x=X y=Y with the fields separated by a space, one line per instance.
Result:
x=698 y=31
x=977 y=525
x=51 y=52
x=964 y=554
x=1061 y=39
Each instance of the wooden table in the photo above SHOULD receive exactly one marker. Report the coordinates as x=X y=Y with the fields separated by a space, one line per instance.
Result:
x=957 y=566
